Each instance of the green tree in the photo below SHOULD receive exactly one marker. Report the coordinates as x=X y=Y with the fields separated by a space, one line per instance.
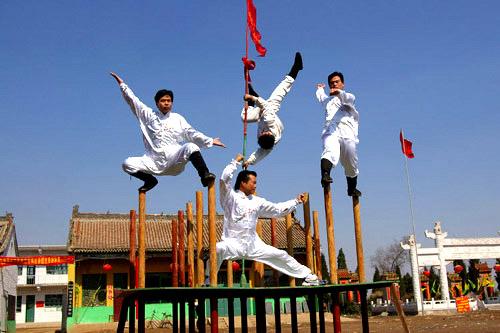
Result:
x=473 y=275
x=463 y=273
x=324 y=269
x=341 y=264
x=406 y=287
x=376 y=275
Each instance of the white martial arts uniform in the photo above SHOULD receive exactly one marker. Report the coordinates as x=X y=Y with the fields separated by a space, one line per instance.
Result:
x=340 y=133
x=165 y=137
x=268 y=120
x=239 y=235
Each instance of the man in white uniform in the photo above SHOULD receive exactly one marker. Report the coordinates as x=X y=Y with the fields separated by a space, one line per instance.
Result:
x=241 y=212
x=265 y=113
x=169 y=140
x=340 y=132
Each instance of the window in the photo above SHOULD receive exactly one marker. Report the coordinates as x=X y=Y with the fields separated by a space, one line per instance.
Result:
x=57 y=269
x=19 y=303
x=155 y=280
x=30 y=277
x=94 y=289
x=19 y=270
x=53 y=301
x=120 y=280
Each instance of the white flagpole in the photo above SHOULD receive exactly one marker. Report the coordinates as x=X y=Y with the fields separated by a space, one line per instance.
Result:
x=412 y=218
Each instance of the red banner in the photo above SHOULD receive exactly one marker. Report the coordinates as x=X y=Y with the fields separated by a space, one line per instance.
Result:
x=252 y=26
x=36 y=261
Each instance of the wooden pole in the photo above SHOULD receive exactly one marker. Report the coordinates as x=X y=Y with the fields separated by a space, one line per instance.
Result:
x=182 y=249
x=212 y=233
x=273 y=243
x=190 y=241
x=230 y=273
x=397 y=302
x=307 y=229
x=175 y=273
x=132 y=254
x=359 y=239
x=317 y=247
x=142 y=239
x=332 y=255
x=289 y=241
x=200 y=267
x=259 y=267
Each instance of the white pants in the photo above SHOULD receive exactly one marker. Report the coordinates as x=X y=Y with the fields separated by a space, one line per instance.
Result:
x=336 y=148
x=171 y=163
x=232 y=249
x=273 y=103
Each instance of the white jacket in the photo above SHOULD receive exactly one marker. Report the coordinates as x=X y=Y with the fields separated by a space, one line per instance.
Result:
x=341 y=116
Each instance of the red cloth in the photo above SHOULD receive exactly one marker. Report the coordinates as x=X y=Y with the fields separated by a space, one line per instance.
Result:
x=406 y=146
x=252 y=26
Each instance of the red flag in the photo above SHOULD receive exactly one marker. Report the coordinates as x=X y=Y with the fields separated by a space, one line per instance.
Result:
x=252 y=26
x=406 y=146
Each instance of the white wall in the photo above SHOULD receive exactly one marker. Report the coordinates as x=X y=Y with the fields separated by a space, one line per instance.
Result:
x=43 y=314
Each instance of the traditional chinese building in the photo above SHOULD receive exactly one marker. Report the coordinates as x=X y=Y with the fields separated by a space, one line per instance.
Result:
x=100 y=244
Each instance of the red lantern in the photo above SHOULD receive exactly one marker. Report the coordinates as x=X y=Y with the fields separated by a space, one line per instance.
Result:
x=236 y=266
x=497 y=268
x=427 y=273
x=458 y=269
x=107 y=267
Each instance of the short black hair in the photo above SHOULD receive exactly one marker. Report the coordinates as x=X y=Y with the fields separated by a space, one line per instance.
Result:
x=243 y=177
x=266 y=141
x=163 y=92
x=340 y=75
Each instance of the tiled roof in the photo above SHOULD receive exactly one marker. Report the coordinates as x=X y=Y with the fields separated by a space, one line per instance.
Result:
x=6 y=230
x=109 y=232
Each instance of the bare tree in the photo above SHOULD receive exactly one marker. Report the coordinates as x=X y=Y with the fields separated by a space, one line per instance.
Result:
x=389 y=257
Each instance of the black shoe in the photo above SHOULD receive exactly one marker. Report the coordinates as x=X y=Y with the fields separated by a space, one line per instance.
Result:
x=297 y=66
x=352 y=191
x=326 y=180
x=251 y=91
x=207 y=179
x=149 y=181
x=326 y=167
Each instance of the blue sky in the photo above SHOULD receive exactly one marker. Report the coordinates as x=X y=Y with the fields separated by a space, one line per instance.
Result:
x=432 y=68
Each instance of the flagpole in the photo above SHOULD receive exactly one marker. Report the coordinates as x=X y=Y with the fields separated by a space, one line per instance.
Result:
x=412 y=218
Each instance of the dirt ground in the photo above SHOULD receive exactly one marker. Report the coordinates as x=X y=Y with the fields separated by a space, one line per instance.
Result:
x=485 y=321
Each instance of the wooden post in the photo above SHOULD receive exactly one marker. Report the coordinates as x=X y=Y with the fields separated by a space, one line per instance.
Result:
x=142 y=239
x=307 y=229
x=175 y=274
x=273 y=243
x=182 y=249
x=330 y=233
x=230 y=273
x=132 y=253
x=317 y=247
x=289 y=241
x=397 y=302
x=359 y=239
x=190 y=241
x=259 y=267
x=200 y=267
x=212 y=234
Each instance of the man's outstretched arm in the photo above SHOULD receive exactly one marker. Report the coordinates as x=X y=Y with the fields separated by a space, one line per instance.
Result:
x=141 y=110
x=226 y=178
x=270 y=209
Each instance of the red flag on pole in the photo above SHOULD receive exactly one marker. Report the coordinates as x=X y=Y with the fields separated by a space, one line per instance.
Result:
x=406 y=146
x=252 y=26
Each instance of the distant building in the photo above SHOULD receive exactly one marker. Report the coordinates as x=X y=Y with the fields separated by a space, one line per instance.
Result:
x=8 y=274
x=97 y=240
x=40 y=288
